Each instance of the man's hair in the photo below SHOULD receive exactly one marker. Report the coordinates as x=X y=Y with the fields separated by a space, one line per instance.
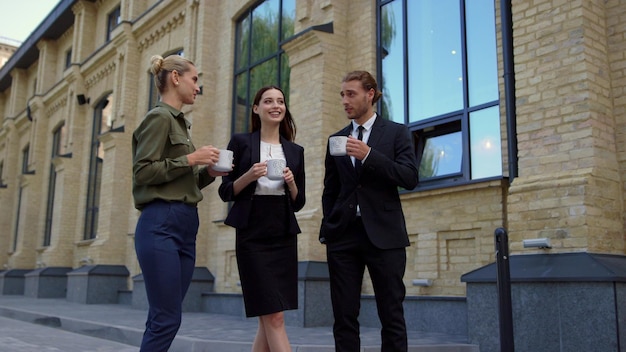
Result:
x=367 y=82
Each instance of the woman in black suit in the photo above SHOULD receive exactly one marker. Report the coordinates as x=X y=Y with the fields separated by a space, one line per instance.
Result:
x=263 y=215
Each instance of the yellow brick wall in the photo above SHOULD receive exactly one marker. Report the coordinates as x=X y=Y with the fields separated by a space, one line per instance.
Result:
x=569 y=70
x=570 y=188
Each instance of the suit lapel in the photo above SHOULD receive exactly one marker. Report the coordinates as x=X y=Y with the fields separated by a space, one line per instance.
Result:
x=255 y=147
x=290 y=153
x=378 y=130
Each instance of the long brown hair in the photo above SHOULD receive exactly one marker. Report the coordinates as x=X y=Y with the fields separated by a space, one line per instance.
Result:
x=287 y=127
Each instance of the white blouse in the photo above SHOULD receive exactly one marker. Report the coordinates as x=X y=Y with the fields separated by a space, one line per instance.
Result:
x=264 y=185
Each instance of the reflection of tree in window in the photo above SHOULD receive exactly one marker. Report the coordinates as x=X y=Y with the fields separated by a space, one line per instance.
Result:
x=438 y=73
x=442 y=156
x=259 y=58
x=387 y=36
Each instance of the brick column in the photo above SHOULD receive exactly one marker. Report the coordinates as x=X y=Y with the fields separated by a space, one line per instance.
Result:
x=569 y=184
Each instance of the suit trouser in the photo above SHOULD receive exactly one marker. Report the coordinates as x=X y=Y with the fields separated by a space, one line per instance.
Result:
x=165 y=243
x=347 y=259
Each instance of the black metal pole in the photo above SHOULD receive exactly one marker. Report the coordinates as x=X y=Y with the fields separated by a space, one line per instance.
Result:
x=504 y=290
x=506 y=15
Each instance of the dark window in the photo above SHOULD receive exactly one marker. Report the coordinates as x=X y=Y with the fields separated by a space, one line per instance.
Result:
x=259 y=57
x=57 y=150
x=102 y=122
x=2 y=184
x=113 y=20
x=68 y=58
x=25 y=153
x=18 y=214
x=438 y=75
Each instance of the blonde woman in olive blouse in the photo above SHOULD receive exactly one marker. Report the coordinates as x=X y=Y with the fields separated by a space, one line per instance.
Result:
x=168 y=173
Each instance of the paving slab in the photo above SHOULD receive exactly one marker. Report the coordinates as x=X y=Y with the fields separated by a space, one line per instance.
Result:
x=199 y=332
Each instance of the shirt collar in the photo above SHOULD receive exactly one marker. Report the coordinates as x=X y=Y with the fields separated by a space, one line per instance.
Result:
x=367 y=125
x=175 y=112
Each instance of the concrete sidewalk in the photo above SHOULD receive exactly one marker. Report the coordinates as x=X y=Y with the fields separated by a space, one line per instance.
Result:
x=199 y=331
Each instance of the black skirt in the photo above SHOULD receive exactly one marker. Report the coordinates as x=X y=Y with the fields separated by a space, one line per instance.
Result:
x=267 y=258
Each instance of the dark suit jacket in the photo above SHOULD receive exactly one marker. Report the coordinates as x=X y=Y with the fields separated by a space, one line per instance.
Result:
x=390 y=164
x=246 y=151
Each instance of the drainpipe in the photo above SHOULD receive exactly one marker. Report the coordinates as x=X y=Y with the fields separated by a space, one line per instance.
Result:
x=509 y=85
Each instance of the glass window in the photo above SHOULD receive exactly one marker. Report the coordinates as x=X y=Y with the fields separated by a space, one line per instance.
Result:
x=101 y=124
x=113 y=20
x=25 y=153
x=57 y=150
x=435 y=58
x=392 y=61
x=1 y=174
x=442 y=156
x=68 y=58
x=20 y=204
x=259 y=58
x=438 y=74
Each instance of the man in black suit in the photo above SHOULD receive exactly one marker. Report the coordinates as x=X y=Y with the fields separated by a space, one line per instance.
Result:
x=363 y=224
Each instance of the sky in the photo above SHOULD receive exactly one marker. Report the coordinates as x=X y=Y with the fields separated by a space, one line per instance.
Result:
x=18 y=18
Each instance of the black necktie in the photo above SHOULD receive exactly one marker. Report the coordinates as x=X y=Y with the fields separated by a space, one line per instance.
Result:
x=357 y=162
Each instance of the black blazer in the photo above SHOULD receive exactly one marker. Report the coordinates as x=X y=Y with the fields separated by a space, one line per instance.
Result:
x=246 y=149
x=390 y=164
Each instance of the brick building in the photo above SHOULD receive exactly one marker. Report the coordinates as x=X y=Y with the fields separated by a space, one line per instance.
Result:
x=518 y=113
x=7 y=48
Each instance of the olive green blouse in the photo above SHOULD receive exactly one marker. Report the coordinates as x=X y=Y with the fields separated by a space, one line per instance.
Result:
x=160 y=166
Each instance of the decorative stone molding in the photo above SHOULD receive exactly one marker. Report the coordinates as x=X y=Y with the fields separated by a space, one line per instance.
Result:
x=56 y=105
x=161 y=31
x=100 y=74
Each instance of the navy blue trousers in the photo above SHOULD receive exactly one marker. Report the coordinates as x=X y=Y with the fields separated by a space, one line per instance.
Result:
x=165 y=243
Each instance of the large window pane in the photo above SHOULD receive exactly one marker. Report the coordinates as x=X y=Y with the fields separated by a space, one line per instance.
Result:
x=102 y=122
x=392 y=55
x=435 y=56
x=260 y=60
x=289 y=14
x=58 y=136
x=241 y=103
x=443 y=155
x=263 y=75
x=438 y=74
x=285 y=73
x=265 y=30
x=486 y=146
x=242 y=44
x=481 y=52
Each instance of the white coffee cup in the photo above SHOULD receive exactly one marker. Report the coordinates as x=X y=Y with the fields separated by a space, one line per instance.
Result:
x=275 y=168
x=337 y=145
x=225 y=163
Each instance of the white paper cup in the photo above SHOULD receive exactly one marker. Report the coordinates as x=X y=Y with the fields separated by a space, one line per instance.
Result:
x=275 y=169
x=225 y=163
x=337 y=145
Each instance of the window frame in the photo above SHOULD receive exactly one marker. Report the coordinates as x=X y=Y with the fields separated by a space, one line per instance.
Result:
x=435 y=126
x=114 y=19
x=2 y=184
x=94 y=178
x=245 y=70
x=68 y=58
x=57 y=136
